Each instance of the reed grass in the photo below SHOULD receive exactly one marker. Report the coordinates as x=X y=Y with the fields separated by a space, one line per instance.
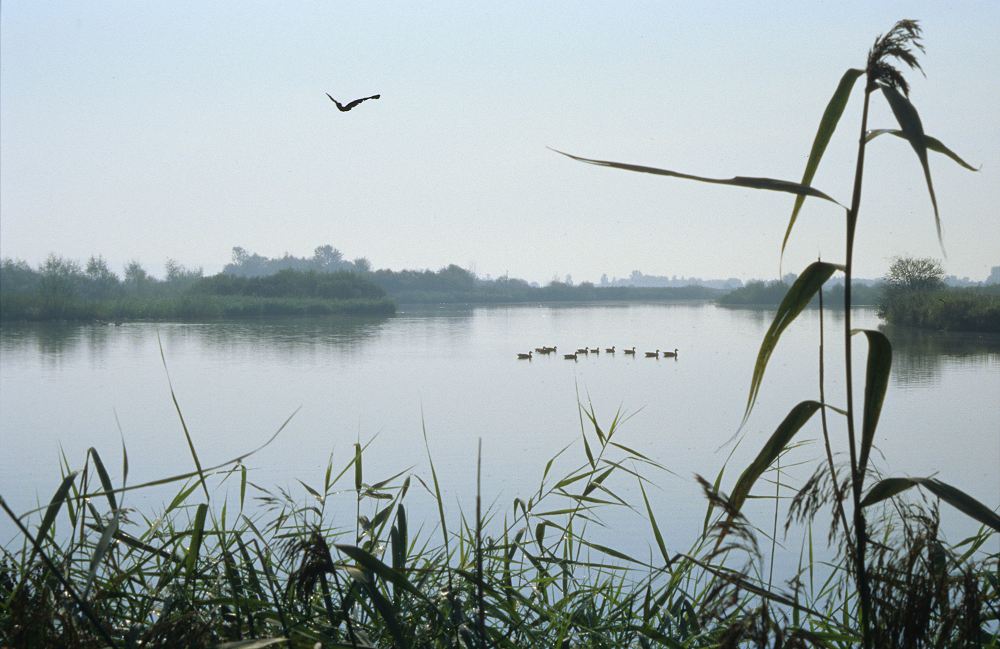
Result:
x=229 y=563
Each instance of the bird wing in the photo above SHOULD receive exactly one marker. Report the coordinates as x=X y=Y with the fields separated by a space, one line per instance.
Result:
x=354 y=103
x=339 y=105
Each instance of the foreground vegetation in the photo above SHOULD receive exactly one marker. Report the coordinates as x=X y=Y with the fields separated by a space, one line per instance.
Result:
x=226 y=562
x=855 y=494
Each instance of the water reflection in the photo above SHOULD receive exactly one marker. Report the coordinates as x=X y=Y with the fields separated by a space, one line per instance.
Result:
x=56 y=341
x=919 y=357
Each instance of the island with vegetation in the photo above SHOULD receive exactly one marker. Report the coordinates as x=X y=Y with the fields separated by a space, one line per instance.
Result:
x=255 y=285
x=913 y=293
x=61 y=289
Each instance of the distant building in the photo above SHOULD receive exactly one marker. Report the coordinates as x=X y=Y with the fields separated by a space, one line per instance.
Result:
x=637 y=278
x=994 y=277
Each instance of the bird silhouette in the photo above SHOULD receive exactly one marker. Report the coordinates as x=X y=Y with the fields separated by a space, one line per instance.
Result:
x=351 y=104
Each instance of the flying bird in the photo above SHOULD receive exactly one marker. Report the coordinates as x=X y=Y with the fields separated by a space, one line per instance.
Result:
x=351 y=104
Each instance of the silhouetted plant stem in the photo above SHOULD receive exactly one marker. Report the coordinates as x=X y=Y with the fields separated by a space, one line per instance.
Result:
x=860 y=538
x=837 y=494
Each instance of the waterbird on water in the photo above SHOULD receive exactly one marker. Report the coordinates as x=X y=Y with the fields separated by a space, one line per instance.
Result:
x=351 y=104
x=655 y=354
x=631 y=352
x=582 y=350
x=672 y=354
x=609 y=350
x=524 y=356
x=569 y=357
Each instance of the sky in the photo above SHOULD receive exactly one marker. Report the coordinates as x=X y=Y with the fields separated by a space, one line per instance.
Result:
x=178 y=130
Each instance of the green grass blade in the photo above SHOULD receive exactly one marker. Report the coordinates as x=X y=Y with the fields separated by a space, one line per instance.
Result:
x=358 y=474
x=795 y=300
x=53 y=509
x=180 y=415
x=827 y=125
x=100 y=551
x=769 y=184
x=913 y=130
x=711 y=503
x=656 y=528
x=197 y=535
x=955 y=497
x=254 y=644
x=371 y=563
x=876 y=384
x=102 y=473
x=932 y=144
x=780 y=438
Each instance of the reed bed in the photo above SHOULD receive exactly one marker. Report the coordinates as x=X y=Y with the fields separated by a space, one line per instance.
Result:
x=228 y=563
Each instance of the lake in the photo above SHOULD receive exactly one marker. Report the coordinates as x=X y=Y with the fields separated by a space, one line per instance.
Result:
x=453 y=370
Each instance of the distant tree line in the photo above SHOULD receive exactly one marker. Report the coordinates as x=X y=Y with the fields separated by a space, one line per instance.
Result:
x=325 y=259
x=759 y=293
x=451 y=284
x=913 y=293
x=58 y=279
x=63 y=289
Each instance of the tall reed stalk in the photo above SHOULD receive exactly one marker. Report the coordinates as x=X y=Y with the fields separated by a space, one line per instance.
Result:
x=898 y=45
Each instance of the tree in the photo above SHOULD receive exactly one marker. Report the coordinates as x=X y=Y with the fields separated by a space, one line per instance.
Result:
x=327 y=257
x=60 y=278
x=915 y=274
x=102 y=282
x=136 y=277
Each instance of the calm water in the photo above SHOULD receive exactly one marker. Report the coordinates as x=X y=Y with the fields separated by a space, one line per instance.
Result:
x=454 y=369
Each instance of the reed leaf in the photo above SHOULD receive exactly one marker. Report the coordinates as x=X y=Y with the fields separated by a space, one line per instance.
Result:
x=913 y=131
x=52 y=511
x=769 y=184
x=357 y=468
x=100 y=551
x=371 y=563
x=180 y=415
x=932 y=144
x=102 y=474
x=827 y=125
x=254 y=644
x=796 y=299
x=876 y=383
x=656 y=528
x=955 y=497
x=780 y=438
x=197 y=536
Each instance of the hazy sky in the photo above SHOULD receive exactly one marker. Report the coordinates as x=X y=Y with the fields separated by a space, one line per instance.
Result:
x=151 y=130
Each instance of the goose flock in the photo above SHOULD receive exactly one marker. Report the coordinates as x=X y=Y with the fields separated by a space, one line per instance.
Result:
x=587 y=351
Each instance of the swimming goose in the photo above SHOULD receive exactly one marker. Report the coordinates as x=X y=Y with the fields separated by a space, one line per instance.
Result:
x=524 y=356
x=672 y=354
x=595 y=350
x=582 y=350
x=569 y=357
x=655 y=354
x=609 y=350
x=630 y=351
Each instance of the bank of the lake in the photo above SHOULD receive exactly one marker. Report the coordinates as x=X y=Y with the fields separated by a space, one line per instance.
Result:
x=953 y=309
